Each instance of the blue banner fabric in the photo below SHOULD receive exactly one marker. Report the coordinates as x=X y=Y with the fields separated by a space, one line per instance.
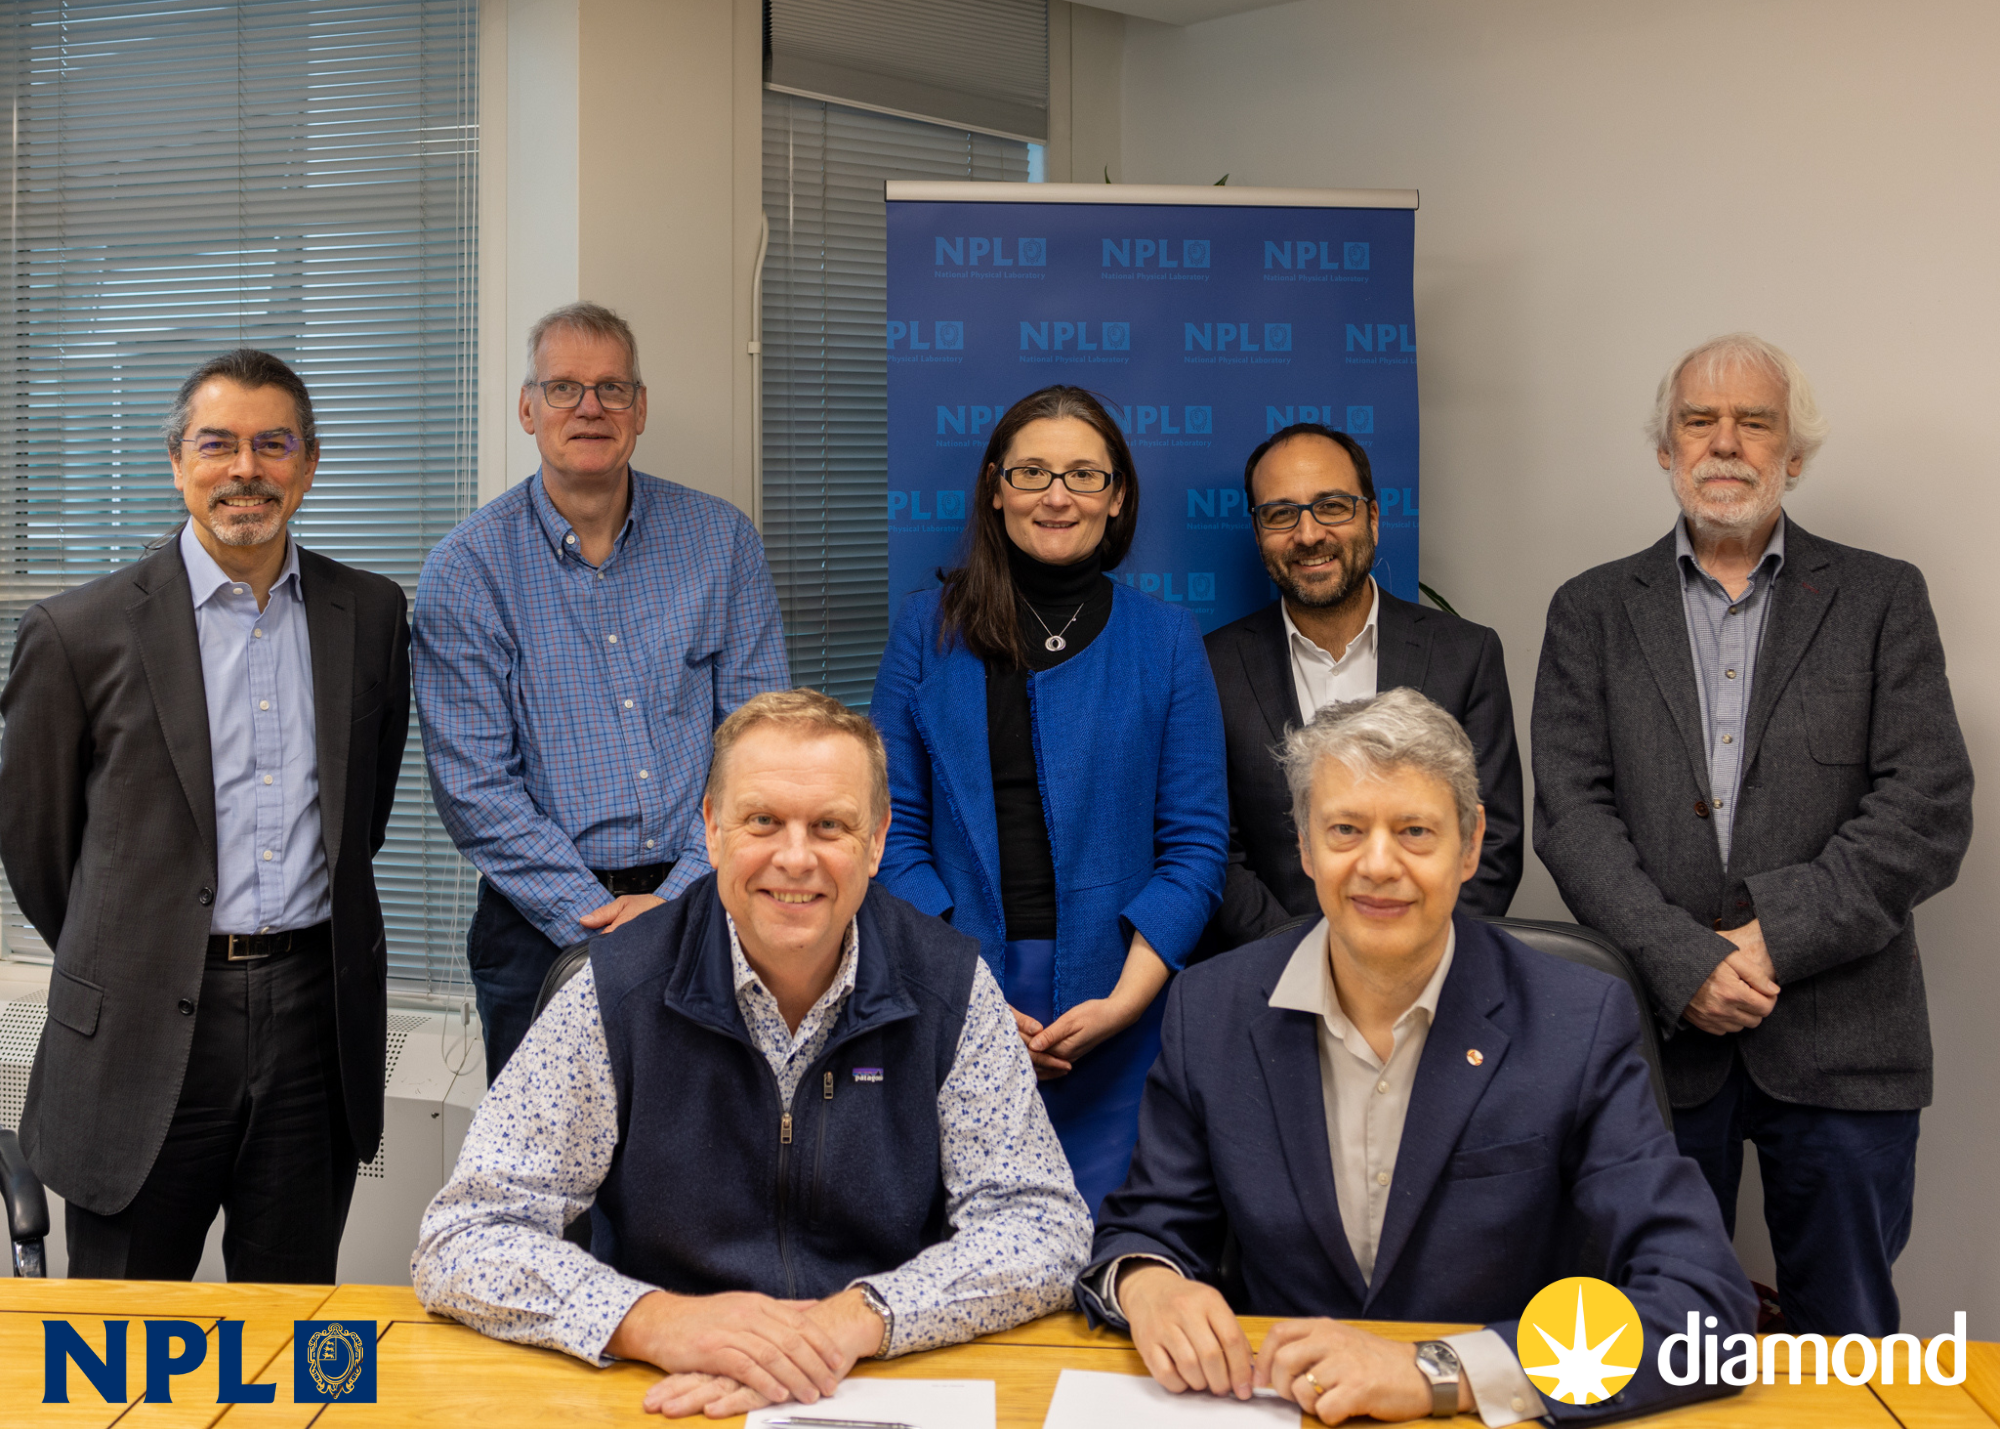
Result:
x=1204 y=328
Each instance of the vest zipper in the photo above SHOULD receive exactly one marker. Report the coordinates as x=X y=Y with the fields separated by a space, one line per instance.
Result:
x=784 y=1238
x=819 y=1156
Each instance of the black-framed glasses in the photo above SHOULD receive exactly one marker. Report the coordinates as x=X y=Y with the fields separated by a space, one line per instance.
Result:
x=611 y=396
x=1328 y=511
x=265 y=446
x=1085 y=480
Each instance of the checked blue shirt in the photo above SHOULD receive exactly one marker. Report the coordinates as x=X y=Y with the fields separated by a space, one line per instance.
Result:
x=567 y=709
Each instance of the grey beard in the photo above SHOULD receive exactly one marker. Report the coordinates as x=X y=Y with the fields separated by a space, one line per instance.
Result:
x=237 y=530
x=1743 y=517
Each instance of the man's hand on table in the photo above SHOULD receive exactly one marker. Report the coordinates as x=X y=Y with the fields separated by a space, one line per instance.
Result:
x=1351 y=1372
x=842 y=1322
x=1184 y=1330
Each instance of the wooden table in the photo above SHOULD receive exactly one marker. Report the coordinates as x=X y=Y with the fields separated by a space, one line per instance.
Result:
x=439 y=1375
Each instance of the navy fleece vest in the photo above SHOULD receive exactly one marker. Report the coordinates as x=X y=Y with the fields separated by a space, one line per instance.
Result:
x=705 y=1192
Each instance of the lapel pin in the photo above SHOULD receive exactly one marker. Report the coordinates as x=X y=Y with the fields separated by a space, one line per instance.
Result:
x=1474 y=1056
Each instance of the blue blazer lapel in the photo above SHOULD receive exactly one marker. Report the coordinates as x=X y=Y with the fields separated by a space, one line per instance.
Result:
x=950 y=714
x=1448 y=1087
x=1287 y=1047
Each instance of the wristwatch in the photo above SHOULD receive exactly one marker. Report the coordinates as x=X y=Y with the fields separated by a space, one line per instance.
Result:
x=874 y=1301
x=1439 y=1363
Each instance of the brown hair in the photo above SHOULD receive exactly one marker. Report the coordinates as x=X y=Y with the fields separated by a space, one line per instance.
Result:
x=980 y=605
x=809 y=713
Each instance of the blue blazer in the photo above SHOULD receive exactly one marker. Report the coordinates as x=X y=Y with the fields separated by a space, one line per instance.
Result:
x=1128 y=749
x=1546 y=1160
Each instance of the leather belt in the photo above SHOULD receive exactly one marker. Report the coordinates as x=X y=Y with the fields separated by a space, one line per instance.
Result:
x=255 y=947
x=644 y=879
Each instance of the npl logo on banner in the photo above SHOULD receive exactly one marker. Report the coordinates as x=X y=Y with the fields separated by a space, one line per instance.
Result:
x=1138 y=253
x=909 y=505
x=1191 y=587
x=966 y=252
x=1380 y=337
x=1360 y=421
x=1321 y=253
x=946 y=336
x=1212 y=505
x=1221 y=337
x=1111 y=337
x=966 y=421
x=1137 y=421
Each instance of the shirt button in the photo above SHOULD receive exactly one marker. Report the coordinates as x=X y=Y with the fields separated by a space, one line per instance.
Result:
x=1381 y=1178
x=649 y=843
x=258 y=632
x=1733 y=609
x=236 y=590
x=645 y=774
x=1729 y=739
x=187 y=1007
x=613 y=639
x=1381 y=1086
x=1729 y=674
x=267 y=855
x=628 y=704
x=263 y=704
x=267 y=778
x=1518 y=1404
x=570 y=539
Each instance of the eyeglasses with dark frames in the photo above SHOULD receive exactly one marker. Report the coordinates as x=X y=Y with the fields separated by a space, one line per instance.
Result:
x=223 y=446
x=1328 y=511
x=1084 y=481
x=611 y=396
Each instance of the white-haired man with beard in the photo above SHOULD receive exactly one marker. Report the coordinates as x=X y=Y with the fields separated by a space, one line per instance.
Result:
x=1748 y=772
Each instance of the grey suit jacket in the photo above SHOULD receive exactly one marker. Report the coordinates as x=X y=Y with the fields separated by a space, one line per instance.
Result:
x=107 y=830
x=1856 y=806
x=1453 y=661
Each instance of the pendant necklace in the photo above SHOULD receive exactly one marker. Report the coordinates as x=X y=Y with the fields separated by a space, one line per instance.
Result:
x=1055 y=640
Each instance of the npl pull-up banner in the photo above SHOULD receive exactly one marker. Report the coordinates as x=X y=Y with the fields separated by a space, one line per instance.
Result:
x=1205 y=318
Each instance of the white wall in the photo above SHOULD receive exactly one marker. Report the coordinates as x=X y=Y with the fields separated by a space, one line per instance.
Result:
x=1605 y=184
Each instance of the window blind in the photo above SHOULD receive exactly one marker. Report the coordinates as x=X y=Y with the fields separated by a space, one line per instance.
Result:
x=980 y=64
x=826 y=433
x=295 y=175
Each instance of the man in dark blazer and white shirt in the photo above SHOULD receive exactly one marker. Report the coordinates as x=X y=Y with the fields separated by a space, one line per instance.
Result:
x=1334 y=634
x=1748 y=772
x=200 y=754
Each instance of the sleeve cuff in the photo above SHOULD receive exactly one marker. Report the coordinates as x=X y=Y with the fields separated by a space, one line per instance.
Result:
x=594 y=1311
x=1105 y=1283
x=1501 y=1391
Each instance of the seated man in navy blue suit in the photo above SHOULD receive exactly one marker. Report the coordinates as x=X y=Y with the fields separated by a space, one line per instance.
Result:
x=1403 y=1115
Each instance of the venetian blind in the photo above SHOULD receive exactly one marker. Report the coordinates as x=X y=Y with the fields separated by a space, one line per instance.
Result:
x=826 y=436
x=295 y=175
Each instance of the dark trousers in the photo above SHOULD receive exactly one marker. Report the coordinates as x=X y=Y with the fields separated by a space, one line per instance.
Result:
x=1838 y=1189
x=509 y=957
x=259 y=1133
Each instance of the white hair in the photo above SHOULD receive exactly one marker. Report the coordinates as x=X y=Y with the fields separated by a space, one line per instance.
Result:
x=589 y=319
x=1398 y=729
x=1805 y=426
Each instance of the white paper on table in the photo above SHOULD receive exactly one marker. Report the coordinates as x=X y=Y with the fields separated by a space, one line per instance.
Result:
x=1091 y=1399
x=926 y=1403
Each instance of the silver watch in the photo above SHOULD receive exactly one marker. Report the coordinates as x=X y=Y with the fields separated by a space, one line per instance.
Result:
x=1439 y=1363
x=874 y=1301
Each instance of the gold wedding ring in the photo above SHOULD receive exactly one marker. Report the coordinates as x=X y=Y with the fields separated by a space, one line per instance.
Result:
x=1313 y=1380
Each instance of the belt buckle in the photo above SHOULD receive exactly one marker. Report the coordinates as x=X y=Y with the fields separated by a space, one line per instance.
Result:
x=235 y=957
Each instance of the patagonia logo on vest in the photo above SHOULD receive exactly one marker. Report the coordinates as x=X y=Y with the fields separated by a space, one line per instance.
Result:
x=867 y=1074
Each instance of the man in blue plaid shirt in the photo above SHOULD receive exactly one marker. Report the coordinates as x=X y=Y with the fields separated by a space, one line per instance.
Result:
x=576 y=642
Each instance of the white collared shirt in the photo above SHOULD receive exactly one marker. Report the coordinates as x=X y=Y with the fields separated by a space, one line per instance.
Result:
x=1366 y=1098
x=1319 y=677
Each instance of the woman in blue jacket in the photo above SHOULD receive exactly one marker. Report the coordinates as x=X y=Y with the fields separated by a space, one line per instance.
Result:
x=1056 y=768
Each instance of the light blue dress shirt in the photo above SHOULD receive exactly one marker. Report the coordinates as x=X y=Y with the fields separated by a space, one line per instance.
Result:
x=1724 y=635
x=256 y=668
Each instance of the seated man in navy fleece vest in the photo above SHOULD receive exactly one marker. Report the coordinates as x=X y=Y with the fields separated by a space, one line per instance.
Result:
x=798 y=1110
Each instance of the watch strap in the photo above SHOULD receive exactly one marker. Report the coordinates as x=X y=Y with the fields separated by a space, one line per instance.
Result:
x=1439 y=1363
x=873 y=1300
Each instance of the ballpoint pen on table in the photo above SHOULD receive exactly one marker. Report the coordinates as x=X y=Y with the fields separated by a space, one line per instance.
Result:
x=800 y=1421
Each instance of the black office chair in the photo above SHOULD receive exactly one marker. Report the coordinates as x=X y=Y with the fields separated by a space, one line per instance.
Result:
x=1572 y=942
x=27 y=1208
x=569 y=962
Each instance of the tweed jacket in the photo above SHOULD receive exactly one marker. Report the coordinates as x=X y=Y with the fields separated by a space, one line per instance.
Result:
x=1856 y=805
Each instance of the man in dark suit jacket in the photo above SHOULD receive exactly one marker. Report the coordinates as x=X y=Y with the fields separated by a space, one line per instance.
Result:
x=1403 y=1115
x=1334 y=634
x=1747 y=774
x=200 y=755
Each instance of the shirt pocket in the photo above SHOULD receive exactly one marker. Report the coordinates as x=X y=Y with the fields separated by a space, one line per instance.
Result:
x=1838 y=709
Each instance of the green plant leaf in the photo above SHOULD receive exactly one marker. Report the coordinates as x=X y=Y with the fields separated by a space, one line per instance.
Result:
x=1439 y=601
x=1221 y=181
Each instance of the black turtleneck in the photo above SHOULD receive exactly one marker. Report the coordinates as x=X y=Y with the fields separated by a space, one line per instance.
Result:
x=1075 y=603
